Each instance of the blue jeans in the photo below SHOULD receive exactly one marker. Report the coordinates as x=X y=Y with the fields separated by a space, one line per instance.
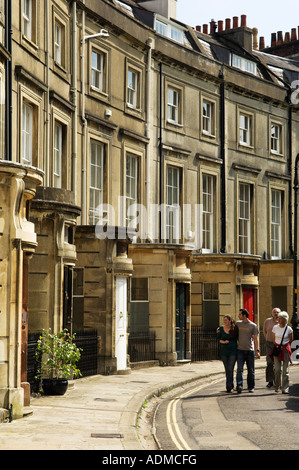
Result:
x=248 y=358
x=229 y=364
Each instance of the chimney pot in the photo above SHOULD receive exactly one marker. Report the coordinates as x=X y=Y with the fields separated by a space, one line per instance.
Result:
x=262 y=43
x=294 y=34
x=198 y=28
x=279 y=38
x=228 y=23
x=220 y=25
x=206 y=29
x=235 y=21
x=287 y=37
x=212 y=27
x=243 y=20
x=273 y=39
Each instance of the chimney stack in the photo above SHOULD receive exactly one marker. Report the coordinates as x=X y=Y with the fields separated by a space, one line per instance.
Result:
x=243 y=20
x=262 y=43
x=212 y=27
x=228 y=23
x=220 y=25
x=279 y=38
x=255 y=39
x=293 y=34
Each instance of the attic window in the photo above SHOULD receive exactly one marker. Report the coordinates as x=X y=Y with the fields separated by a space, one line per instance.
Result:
x=169 y=30
x=243 y=64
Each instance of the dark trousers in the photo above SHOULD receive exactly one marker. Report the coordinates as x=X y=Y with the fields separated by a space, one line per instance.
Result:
x=229 y=364
x=245 y=357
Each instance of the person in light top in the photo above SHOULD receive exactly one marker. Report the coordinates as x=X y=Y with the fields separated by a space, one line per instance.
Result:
x=281 y=362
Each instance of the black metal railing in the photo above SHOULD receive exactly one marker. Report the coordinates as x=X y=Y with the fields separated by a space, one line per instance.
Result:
x=32 y=363
x=87 y=341
x=204 y=345
x=142 y=346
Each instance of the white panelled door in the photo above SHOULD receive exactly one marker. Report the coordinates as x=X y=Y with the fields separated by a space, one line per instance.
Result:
x=121 y=323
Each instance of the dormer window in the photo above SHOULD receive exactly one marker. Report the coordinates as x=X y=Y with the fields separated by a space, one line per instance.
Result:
x=243 y=64
x=169 y=30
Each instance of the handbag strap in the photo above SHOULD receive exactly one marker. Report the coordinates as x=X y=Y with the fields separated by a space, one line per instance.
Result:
x=283 y=335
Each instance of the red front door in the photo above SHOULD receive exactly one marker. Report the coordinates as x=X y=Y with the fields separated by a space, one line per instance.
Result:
x=249 y=302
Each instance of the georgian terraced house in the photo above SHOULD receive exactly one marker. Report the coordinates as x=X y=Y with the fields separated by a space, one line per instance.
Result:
x=146 y=177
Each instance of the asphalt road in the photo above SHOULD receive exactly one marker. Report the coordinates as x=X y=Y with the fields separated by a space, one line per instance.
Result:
x=205 y=417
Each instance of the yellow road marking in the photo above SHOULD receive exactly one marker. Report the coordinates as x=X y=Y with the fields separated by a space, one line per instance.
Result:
x=172 y=425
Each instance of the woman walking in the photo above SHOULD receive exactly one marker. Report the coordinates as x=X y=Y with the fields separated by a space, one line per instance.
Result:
x=282 y=335
x=226 y=335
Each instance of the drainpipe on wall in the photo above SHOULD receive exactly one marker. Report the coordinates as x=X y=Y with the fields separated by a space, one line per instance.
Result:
x=8 y=82
x=74 y=94
x=160 y=154
x=47 y=96
x=290 y=125
x=294 y=320
x=223 y=172
x=147 y=130
x=84 y=183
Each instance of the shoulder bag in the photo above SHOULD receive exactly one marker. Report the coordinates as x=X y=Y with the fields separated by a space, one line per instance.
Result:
x=276 y=349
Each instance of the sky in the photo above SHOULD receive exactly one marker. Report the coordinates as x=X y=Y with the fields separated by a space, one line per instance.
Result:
x=267 y=16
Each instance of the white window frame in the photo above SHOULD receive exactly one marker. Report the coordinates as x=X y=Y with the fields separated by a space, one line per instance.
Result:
x=27 y=19
x=244 y=218
x=58 y=139
x=207 y=117
x=169 y=30
x=98 y=70
x=276 y=138
x=27 y=133
x=58 y=43
x=131 y=190
x=132 y=88
x=245 y=129
x=276 y=218
x=96 y=179
x=172 y=222
x=173 y=103
x=207 y=213
x=244 y=64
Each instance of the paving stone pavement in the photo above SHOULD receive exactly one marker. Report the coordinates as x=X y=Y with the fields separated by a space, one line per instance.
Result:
x=99 y=412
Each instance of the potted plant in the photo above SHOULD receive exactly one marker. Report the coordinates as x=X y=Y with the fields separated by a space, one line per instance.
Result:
x=58 y=356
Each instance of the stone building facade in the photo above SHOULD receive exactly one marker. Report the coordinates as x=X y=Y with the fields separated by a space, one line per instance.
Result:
x=158 y=163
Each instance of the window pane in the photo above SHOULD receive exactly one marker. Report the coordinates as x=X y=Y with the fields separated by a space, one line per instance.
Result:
x=27 y=119
x=276 y=197
x=96 y=180
x=139 y=289
x=244 y=218
x=207 y=211
x=57 y=155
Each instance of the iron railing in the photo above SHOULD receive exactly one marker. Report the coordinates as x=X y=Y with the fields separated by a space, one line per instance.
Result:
x=87 y=341
x=142 y=346
x=204 y=345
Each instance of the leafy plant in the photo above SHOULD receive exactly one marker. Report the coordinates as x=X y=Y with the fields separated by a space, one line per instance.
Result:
x=58 y=355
